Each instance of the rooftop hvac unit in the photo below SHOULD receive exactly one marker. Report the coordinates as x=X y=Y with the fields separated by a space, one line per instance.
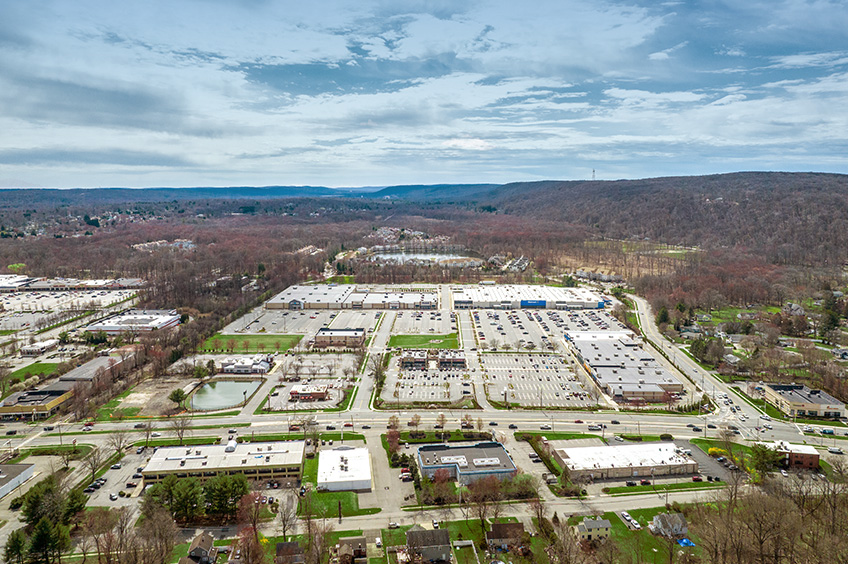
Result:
x=188 y=451
x=182 y=462
x=244 y=461
x=197 y=452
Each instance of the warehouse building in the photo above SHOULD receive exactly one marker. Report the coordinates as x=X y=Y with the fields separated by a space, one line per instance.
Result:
x=621 y=367
x=466 y=463
x=624 y=461
x=347 y=338
x=518 y=296
x=136 y=321
x=280 y=461
x=344 y=468
x=38 y=403
x=801 y=401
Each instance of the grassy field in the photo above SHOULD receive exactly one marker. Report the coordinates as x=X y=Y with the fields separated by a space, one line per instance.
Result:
x=38 y=368
x=267 y=343
x=448 y=341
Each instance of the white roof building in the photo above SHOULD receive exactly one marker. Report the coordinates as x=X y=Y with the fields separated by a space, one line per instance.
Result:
x=642 y=460
x=136 y=320
x=344 y=468
x=255 y=460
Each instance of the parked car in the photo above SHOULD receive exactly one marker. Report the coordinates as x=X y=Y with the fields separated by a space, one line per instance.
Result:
x=116 y=466
x=697 y=479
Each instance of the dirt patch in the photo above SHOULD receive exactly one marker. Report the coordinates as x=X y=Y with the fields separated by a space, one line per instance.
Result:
x=152 y=395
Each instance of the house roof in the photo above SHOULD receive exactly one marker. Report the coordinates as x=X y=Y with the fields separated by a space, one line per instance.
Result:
x=590 y=524
x=204 y=540
x=423 y=538
x=505 y=531
x=671 y=520
x=290 y=548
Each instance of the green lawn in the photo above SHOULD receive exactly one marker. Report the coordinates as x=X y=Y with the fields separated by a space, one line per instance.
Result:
x=448 y=341
x=556 y=435
x=268 y=343
x=659 y=488
x=36 y=368
x=327 y=504
x=310 y=470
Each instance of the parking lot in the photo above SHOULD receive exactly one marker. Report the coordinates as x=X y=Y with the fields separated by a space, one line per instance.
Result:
x=535 y=380
x=427 y=385
x=509 y=329
x=356 y=320
x=423 y=322
x=117 y=480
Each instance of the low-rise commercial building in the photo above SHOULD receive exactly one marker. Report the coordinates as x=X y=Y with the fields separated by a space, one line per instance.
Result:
x=344 y=468
x=39 y=347
x=795 y=455
x=347 y=338
x=13 y=475
x=624 y=461
x=443 y=359
x=257 y=364
x=136 y=321
x=281 y=461
x=797 y=400
x=621 y=367
x=39 y=403
x=466 y=463
x=309 y=392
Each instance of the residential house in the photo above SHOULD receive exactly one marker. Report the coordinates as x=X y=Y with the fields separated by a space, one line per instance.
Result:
x=289 y=553
x=202 y=549
x=670 y=525
x=504 y=535
x=428 y=545
x=593 y=530
x=352 y=550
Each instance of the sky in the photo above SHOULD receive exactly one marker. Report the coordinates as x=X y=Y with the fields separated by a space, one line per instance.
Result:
x=385 y=92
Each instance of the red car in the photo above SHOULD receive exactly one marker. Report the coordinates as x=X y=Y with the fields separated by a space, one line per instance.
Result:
x=578 y=421
x=697 y=479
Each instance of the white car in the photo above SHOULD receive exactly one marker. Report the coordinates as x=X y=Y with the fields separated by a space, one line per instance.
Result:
x=155 y=434
x=626 y=516
x=784 y=473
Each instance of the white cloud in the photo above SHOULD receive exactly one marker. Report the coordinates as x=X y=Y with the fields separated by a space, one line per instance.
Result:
x=468 y=144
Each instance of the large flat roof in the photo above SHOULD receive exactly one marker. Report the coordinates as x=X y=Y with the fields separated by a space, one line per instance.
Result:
x=526 y=292
x=215 y=457
x=136 y=319
x=480 y=457
x=344 y=464
x=9 y=472
x=622 y=456
x=798 y=393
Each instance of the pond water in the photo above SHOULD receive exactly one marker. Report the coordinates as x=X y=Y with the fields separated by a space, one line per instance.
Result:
x=221 y=394
x=415 y=257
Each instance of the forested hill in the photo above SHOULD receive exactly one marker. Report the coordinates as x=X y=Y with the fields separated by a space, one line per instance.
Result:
x=98 y=196
x=796 y=218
